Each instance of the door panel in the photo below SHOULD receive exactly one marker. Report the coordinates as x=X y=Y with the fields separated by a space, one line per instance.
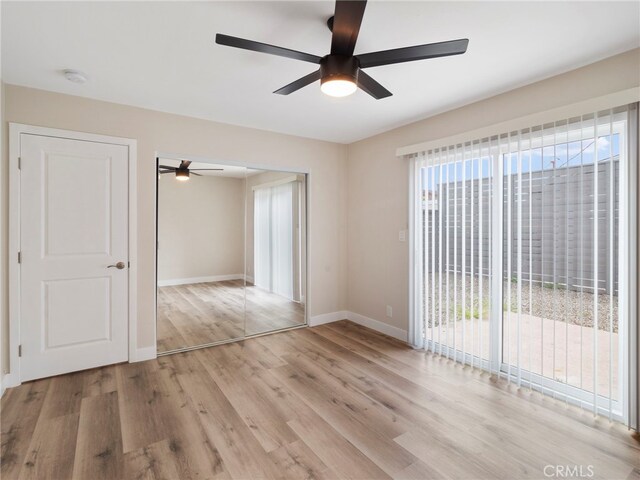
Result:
x=74 y=225
x=68 y=322
x=81 y=207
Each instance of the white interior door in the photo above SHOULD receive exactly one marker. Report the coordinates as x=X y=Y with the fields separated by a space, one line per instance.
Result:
x=73 y=230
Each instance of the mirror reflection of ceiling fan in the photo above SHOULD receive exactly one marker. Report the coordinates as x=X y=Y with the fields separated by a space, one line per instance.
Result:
x=183 y=171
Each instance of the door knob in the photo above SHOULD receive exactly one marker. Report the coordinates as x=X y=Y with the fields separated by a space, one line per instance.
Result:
x=119 y=265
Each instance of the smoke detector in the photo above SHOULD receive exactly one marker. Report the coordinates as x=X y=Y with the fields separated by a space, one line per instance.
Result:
x=75 y=76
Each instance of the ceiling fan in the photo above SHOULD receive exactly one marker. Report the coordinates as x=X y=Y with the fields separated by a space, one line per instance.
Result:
x=183 y=171
x=340 y=71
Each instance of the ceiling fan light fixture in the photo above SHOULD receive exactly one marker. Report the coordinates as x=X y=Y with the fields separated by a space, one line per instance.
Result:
x=339 y=75
x=338 y=87
x=182 y=174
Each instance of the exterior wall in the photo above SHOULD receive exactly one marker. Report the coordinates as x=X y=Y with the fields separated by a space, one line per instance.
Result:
x=568 y=193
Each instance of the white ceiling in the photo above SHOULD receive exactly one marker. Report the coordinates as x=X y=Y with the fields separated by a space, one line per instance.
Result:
x=162 y=55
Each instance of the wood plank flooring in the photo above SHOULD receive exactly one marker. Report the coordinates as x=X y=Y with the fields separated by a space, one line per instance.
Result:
x=335 y=401
x=203 y=313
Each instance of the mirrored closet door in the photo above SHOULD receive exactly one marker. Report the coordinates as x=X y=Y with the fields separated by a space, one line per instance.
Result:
x=231 y=258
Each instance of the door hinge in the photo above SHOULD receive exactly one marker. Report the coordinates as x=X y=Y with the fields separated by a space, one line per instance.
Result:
x=19 y=163
x=19 y=350
x=19 y=257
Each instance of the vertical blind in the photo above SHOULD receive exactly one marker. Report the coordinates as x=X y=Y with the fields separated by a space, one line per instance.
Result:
x=274 y=232
x=521 y=263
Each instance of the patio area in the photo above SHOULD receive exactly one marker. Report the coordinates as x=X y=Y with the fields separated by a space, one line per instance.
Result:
x=555 y=332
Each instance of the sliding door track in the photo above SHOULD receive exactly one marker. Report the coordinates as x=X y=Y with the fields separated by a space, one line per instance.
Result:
x=231 y=340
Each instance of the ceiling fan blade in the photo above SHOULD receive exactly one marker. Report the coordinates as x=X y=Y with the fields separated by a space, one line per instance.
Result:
x=236 y=42
x=193 y=173
x=298 y=84
x=166 y=167
x=205 y=169
x=185 y=164
x=373 y=88
x=410 y=54
x=168 y=171
x=346 y=26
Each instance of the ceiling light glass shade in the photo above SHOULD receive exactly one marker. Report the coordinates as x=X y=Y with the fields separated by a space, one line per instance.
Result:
x=182 y=175
x=338 y=87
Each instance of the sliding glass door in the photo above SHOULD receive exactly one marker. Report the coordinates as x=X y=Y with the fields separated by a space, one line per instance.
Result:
x=522 y=251
x=561 y=194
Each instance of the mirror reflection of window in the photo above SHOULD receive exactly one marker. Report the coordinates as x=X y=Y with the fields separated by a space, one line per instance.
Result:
x=275 y=228
x=275 y=250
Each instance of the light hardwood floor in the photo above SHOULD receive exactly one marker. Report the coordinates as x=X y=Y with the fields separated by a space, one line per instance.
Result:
x=335 y=401
x=203 y=313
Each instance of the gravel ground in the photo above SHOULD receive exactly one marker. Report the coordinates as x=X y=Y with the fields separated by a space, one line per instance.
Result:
x=547 y=301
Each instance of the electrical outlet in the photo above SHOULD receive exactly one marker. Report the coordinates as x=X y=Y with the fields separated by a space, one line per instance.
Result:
x=389 y=311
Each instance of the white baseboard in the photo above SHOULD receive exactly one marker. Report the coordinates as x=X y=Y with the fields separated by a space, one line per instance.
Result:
x=8 y=381
x=145 y=353
x=376 y=325
x=328 y=318
x=379 y=326
x=211 y=278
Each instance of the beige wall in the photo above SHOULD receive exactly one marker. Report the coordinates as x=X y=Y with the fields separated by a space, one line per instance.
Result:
x=377 y=199
x=200 y=227
x=168 y=133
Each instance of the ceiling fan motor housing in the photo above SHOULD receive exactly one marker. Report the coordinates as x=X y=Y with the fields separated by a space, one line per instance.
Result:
x=339 y=67
x=182 y=173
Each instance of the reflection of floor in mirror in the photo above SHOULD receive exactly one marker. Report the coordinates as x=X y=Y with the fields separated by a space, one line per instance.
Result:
x=202 y=313
x=267 y=311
